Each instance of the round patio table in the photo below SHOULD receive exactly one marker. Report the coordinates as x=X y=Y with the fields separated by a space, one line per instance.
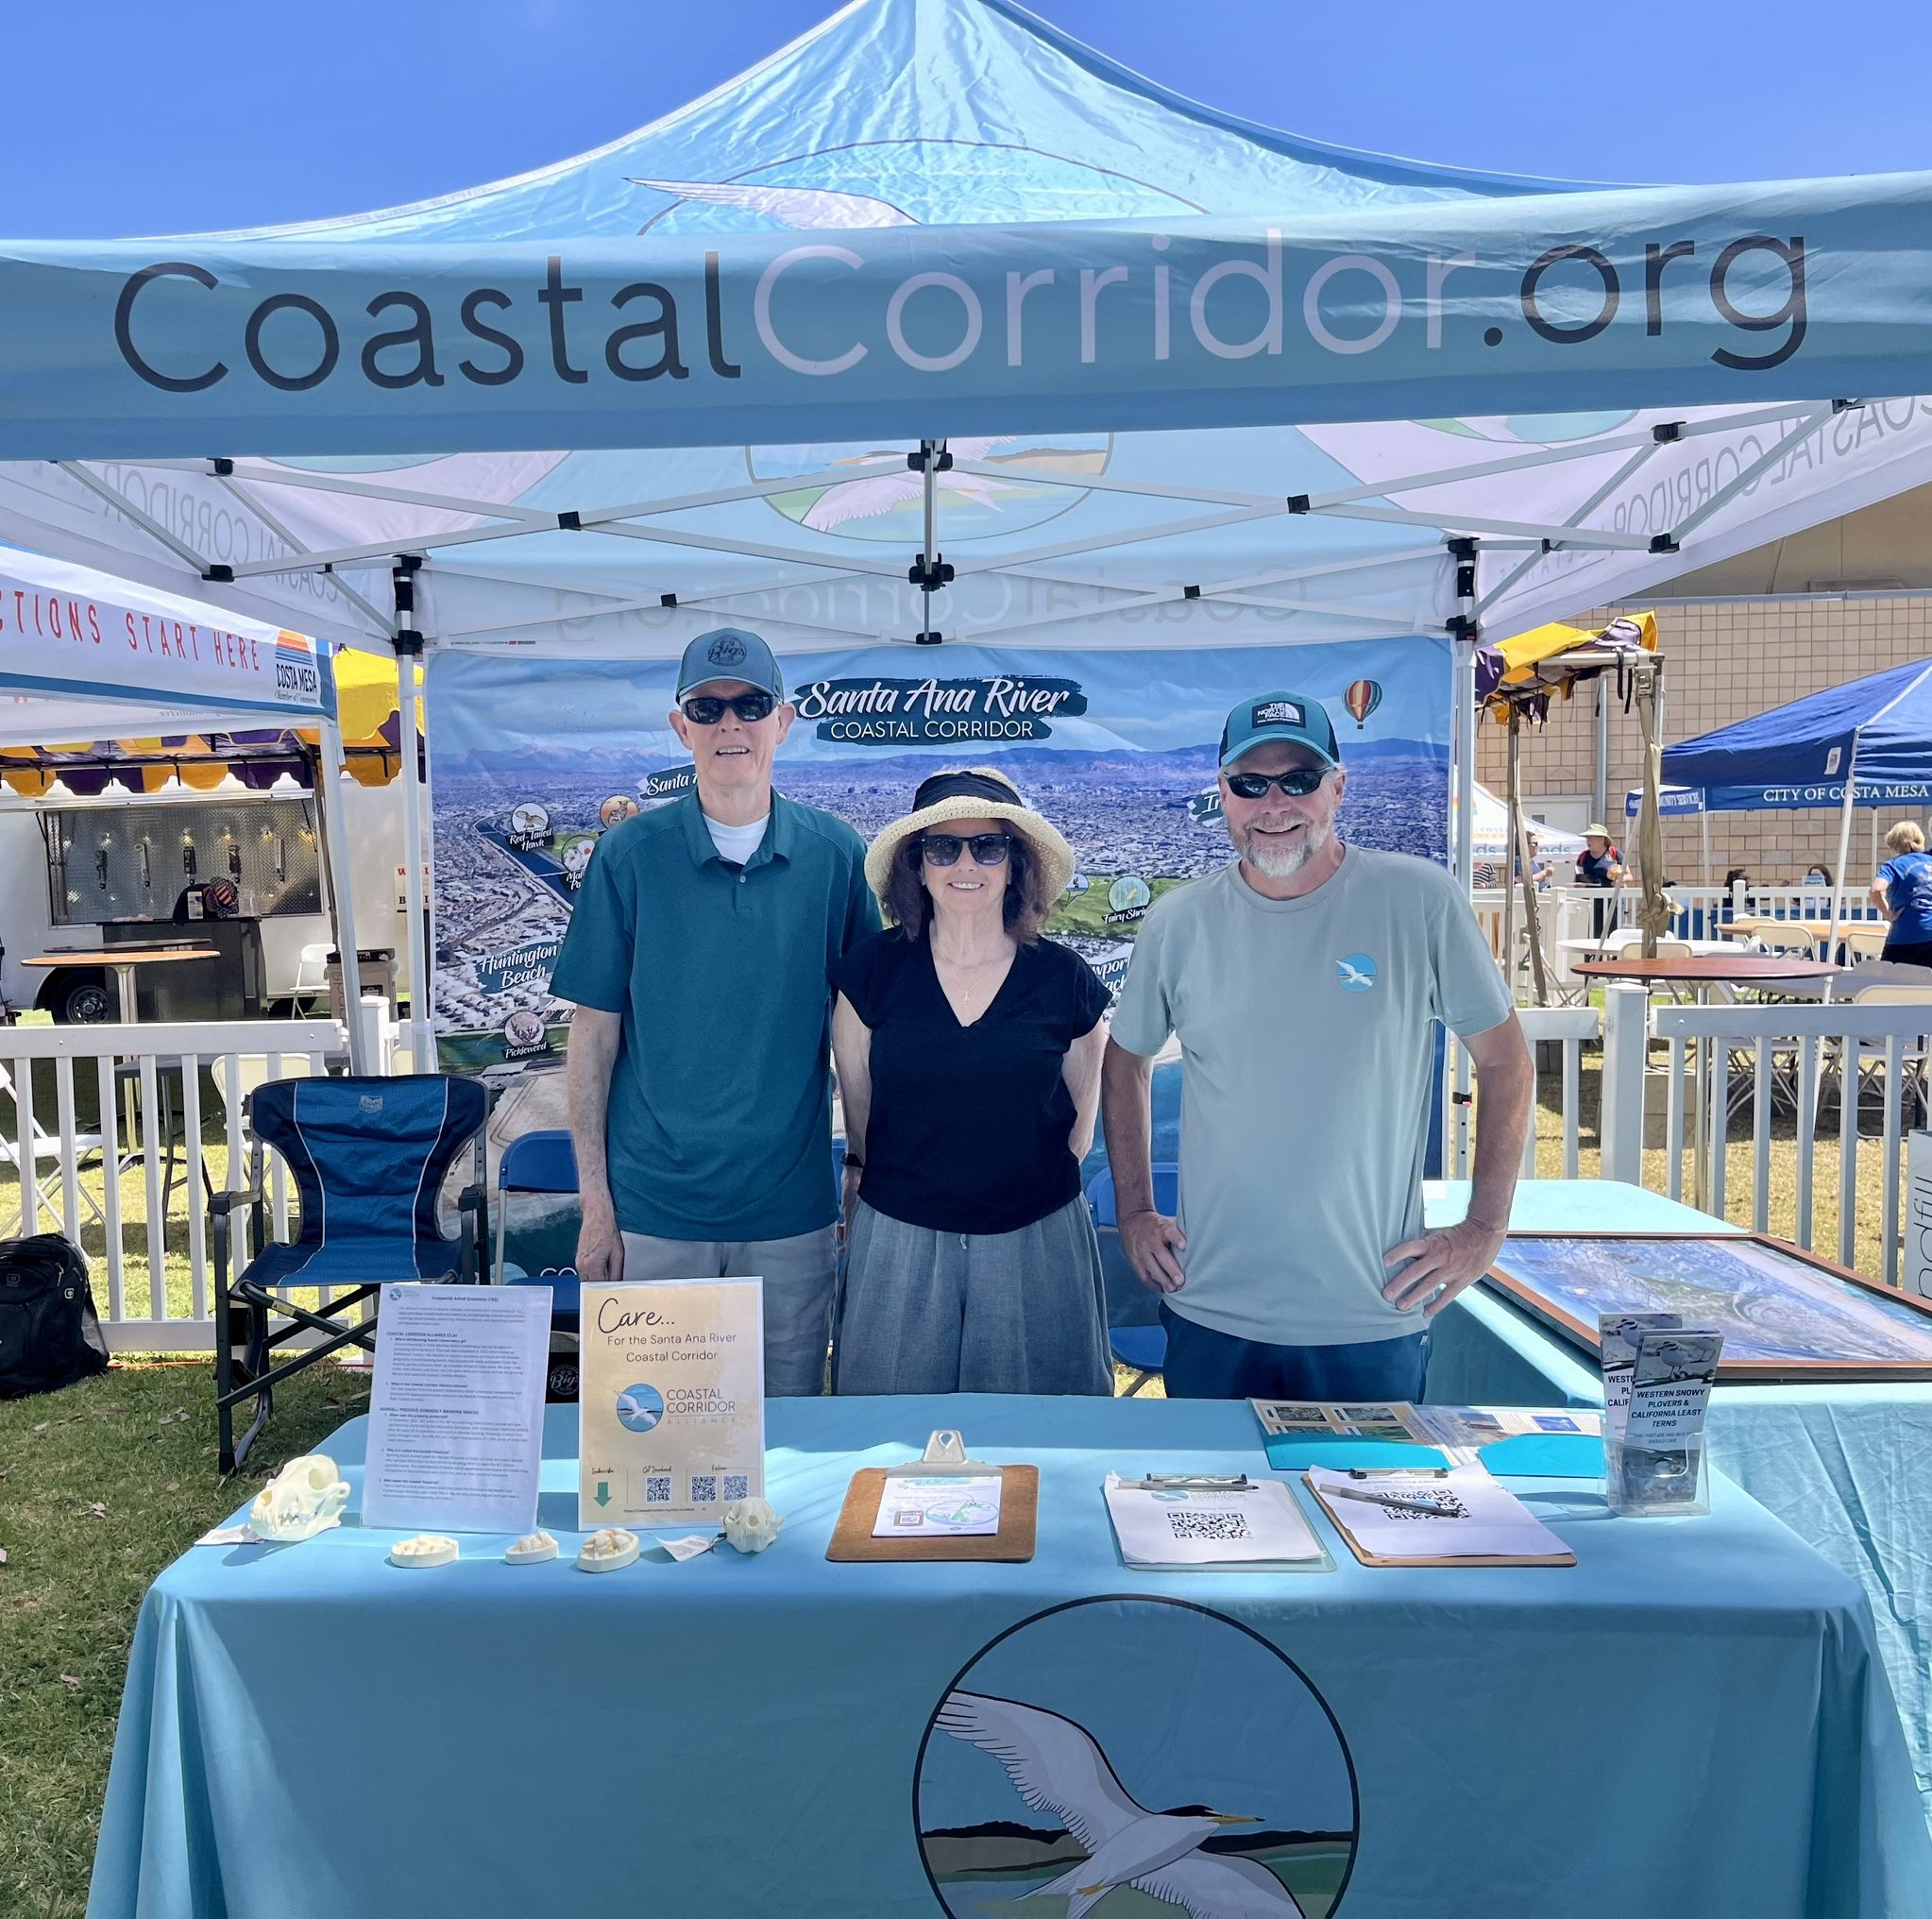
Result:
x=1767 y=972
x=1705 y=970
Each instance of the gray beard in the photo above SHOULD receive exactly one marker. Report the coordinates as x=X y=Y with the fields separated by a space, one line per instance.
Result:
x=1284 y=862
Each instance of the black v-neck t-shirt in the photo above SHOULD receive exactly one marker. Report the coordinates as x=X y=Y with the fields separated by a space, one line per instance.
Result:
x=968 y=1126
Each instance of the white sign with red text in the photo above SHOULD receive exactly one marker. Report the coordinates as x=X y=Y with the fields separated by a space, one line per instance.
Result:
x=71 y=637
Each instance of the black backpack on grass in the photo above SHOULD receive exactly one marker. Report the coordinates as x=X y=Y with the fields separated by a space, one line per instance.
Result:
x=50 y=1335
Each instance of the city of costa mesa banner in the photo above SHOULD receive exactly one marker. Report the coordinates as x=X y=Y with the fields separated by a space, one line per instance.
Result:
x=535 y=759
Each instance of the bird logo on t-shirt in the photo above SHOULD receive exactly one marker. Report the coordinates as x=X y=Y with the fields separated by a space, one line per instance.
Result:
x=1356 y=973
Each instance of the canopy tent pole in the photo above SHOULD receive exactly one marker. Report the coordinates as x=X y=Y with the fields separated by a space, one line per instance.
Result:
x=1464 y=639
x=342 y=908
x=1838 y=872
x=408 y=643
x=1599 y=789
x=1655 y=913
x=1520 y=851
x=929 y=572
x=1463 y=630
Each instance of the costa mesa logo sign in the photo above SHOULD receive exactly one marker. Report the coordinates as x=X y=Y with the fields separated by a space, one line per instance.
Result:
x=880 y=712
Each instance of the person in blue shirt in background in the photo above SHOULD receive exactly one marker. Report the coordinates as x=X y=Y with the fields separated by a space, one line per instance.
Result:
x=1903 y=893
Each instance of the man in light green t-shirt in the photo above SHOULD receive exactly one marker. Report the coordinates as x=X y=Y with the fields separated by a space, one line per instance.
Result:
x=1304 y=980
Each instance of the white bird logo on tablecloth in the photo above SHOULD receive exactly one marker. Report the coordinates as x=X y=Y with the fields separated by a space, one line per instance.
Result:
x=1057 y=1766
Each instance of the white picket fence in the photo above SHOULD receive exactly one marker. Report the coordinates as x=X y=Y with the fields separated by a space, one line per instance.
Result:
x=1699 y=1079
x=144 y=1085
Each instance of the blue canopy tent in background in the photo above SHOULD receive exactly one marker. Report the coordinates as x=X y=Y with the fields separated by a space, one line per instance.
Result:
x=1866 y=744
x=937 y=323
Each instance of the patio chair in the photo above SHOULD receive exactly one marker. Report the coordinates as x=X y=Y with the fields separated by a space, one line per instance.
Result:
x=1134 y=1332
x=1865 y=940
x=1868 y=1064
x=369 y=1157
x=42 y=1144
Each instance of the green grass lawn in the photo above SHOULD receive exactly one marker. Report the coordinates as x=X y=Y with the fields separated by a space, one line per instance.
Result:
x=101 y=1487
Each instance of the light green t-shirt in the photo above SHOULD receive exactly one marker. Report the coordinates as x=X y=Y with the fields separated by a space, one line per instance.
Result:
x=1306 y=1038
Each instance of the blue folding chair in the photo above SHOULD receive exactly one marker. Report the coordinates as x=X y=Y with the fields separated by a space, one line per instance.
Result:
x=369 y=1157
x=1134 y=1332
x=539 y=1163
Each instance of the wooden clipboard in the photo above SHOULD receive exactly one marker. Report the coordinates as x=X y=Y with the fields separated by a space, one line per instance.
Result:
x=1340 y=1524
x=851 y=1537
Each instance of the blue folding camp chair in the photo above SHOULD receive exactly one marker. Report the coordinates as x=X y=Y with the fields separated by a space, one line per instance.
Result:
x=538 y=1162
x=1134 y=1331
x=369 y=1157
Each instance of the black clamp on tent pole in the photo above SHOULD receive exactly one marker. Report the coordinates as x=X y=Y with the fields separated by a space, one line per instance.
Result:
x=929 y=571
x=406 y=641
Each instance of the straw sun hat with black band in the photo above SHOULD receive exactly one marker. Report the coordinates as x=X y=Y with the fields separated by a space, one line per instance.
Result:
x=977 y=793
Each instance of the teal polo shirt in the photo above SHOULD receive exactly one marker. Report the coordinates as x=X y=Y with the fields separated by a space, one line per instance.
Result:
x=721 y=1098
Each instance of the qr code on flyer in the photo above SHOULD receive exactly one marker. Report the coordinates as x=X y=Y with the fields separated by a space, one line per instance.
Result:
x=1192 y=1525
x=703 y=1489
x=738 y=1486
x=657 y=1488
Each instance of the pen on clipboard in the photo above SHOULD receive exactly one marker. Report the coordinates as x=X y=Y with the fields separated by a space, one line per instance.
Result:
x=1390 y=1502
x=1189 y=1482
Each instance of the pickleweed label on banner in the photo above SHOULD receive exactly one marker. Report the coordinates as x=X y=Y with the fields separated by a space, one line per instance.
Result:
x=879 y=712
x=525 y=1035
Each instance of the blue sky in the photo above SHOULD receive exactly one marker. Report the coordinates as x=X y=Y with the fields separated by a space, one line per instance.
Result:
x=126 y=118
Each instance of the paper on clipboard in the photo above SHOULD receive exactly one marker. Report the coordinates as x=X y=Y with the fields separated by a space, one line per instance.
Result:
x=1474 y=1518
x=1249 y=1525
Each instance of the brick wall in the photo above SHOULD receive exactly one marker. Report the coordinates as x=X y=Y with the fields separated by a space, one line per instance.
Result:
x=1727 y=661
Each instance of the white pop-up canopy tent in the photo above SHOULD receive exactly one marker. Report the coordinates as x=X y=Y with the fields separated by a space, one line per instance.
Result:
x=938 y=324
x=86 y=658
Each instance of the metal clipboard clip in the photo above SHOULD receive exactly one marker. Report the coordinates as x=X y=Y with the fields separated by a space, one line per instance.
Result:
x=945 y=1456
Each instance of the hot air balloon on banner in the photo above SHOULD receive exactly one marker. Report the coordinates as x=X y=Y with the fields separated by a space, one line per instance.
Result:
x=1362 y=699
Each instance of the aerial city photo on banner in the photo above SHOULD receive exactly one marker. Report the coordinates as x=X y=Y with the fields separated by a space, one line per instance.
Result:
x=535 y=759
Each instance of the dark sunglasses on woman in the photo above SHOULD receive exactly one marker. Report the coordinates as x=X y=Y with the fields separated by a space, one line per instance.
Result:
x=942 y=849
x=707 y=710
x=1298 y=782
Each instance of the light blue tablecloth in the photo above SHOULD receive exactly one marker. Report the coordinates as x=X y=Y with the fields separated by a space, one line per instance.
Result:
x=1691 y=1722
x=1847 y=1468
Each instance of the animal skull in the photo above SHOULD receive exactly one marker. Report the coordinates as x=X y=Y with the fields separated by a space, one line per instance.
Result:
x=305 y=1497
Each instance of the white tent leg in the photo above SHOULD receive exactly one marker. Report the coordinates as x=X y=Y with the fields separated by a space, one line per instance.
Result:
x=342 y=893
x=421 y=1044
x=1838 y=872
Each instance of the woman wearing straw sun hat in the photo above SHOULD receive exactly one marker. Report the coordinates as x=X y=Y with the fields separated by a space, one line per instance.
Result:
x=969 y=1063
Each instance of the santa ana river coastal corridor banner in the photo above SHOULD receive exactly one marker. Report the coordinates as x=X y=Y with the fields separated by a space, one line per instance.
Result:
x=535 y=759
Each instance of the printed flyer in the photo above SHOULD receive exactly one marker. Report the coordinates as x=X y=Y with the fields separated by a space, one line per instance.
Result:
x=535 y=759
x=673 y=1401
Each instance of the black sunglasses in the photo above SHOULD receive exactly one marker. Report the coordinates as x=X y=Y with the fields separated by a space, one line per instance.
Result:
x=707 y=710
x=1298 y=782
x=942 y=849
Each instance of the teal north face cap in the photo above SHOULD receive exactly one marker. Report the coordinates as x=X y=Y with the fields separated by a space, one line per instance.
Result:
x=730 y=652
x=1292 y=718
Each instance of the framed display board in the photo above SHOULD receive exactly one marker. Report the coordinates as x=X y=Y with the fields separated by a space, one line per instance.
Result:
x=1785 y=1313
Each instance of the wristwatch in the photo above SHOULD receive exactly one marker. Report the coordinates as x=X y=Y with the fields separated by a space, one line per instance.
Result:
x=853 y=1160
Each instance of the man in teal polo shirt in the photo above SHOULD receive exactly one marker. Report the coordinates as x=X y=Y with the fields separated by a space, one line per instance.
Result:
x=698 y=956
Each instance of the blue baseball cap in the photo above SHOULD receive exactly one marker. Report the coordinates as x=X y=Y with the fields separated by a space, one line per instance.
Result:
x=1292 y=718
x=730 y=652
